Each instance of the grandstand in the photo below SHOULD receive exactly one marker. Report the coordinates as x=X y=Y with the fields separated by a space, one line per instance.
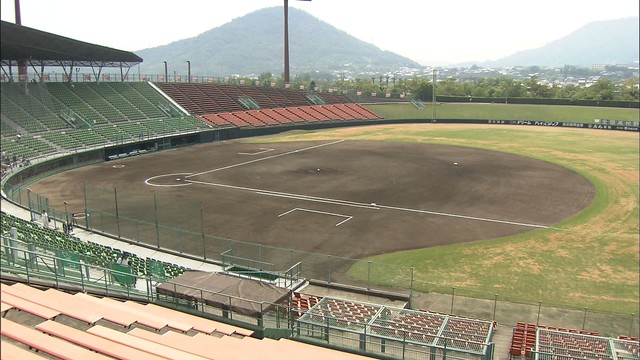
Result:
x=91 y=305
x=541 y=342
x=398 y=332
x=82 y=326
x=54 y=117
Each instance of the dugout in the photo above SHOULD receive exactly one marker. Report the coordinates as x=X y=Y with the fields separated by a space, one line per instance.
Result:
x=217 y=290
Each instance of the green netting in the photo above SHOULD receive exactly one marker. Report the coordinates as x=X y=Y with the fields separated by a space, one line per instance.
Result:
x=123 y=275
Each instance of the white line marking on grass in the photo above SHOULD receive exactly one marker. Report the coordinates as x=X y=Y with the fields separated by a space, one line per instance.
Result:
x=347 y=217
x=265 y=158
x=264 y=150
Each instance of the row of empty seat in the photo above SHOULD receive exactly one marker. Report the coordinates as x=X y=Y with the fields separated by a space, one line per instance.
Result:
x=419 y=327
x=71 y=247
x=563 y=343
x=201 y=99
x=82 y=326
x=438 y=328
x=56 y=106
x=54 y=117
x=301 y=114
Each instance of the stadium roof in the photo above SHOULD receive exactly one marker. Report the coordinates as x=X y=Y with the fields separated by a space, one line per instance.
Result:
x=21 y=43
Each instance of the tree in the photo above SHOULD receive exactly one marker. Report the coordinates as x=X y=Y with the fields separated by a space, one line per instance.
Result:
x=603 y=89
x=536 y=89
x=629 y=90
x=265 y=79
x=424 y=91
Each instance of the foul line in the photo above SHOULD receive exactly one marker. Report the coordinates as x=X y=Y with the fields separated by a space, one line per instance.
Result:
x=363 y=205
x=264 y=150
x=464 y=217
x=347 y=217
x=289 y=195
x=265 y=158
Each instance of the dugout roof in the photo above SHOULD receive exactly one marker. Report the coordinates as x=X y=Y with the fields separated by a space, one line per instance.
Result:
x=245 y=296
x=40 y=48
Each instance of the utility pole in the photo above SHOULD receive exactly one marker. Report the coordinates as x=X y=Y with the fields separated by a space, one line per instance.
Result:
x=433 y=100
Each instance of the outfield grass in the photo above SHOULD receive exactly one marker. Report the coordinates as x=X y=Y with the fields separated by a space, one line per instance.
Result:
x=589 y=260
x=581 y=114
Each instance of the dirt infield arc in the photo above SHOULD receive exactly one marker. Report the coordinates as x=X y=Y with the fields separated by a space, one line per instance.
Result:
x=347 y=198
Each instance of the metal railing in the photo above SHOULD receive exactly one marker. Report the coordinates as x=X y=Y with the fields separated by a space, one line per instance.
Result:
x=30 y=263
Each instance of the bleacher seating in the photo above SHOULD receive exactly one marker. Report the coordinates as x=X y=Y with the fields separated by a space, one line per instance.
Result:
x=93 y=342
x=200 y=99
x=27 y=147
x=277 y=116
x=10 y=351
x=273 y=114
x=54 y=117
x=63 y=140
x=6 y=128
x=35 y=339
x=333 y=98
x=289 y=114
x=96 y=328
x=233 y=119
x=143 y=97
x=318 y=113
x=304 y=115
x=58 y=243
x=563 y=343
x=422 y=328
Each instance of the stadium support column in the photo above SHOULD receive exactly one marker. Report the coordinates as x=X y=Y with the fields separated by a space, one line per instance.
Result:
x=188 y=71
x=22 y=65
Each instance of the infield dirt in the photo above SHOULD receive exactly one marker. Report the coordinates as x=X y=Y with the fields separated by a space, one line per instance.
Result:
x=347 y=198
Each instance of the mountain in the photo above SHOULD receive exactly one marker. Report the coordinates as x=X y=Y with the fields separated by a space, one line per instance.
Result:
x=602 y=42
x=253 y=44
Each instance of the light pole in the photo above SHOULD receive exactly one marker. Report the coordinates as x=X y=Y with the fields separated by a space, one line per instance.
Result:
x=433 y=99
x=166 y=75
x=189 y=71
x=286 y=41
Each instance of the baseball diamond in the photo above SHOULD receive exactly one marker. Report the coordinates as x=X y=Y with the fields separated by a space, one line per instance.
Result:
x=347 y=198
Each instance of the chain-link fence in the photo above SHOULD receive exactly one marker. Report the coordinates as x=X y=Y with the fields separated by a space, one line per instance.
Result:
x=178 y=227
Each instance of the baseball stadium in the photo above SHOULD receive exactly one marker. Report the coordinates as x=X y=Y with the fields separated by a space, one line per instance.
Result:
x=147 y=216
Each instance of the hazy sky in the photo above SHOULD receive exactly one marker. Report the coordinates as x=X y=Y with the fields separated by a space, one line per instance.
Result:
x=430 y=32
